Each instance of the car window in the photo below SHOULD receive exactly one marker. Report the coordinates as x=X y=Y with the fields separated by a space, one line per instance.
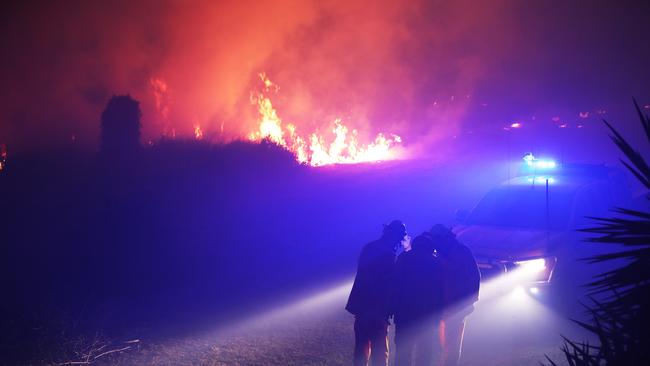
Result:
x=525 y=207
x=597 y=200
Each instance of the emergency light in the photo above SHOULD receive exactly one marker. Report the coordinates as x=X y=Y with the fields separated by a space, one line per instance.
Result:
x=531 y=161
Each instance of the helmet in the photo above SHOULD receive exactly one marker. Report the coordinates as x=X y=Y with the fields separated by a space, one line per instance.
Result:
x=396 y=228
x=440 y=231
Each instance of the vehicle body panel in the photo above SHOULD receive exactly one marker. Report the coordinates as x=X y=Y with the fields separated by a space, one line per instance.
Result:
x=538 y=216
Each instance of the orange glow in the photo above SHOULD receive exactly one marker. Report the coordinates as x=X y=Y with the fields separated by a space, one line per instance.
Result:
x=341 y=147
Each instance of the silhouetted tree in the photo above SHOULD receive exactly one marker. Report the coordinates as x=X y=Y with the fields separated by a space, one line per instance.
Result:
x=120 y=126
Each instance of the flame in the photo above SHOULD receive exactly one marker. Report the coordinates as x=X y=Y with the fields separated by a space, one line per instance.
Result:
x=315 y=149
x=198 y=132
x=160 y=91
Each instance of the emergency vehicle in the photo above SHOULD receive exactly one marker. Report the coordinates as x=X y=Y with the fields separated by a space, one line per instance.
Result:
x=531 y=222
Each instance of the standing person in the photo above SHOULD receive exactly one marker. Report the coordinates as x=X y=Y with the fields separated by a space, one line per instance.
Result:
x=370 y=293
x=462 y=287
x=418 y=301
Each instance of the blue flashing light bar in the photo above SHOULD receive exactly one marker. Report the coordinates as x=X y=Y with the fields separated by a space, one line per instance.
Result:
x=532 y=162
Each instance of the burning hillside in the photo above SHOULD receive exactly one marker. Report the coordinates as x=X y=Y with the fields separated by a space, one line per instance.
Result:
x=342 y=146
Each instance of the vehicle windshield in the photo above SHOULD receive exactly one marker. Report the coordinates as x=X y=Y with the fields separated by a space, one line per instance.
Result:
x=524 y=207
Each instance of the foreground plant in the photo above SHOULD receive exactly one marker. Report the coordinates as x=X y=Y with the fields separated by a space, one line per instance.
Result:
x=620 y=298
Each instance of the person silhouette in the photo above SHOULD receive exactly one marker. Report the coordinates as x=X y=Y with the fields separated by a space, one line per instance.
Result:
x=462 y=283
x=417 y=303
x=370 y=295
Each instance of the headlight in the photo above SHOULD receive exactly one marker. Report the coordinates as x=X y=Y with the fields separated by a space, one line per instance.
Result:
x=532 y=265
x=538 y=270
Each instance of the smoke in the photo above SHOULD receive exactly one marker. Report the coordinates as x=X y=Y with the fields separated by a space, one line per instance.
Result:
x=377 y=65
x=412 y=69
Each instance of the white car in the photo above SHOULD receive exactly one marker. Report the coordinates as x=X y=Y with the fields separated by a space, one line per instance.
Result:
x=530 y=222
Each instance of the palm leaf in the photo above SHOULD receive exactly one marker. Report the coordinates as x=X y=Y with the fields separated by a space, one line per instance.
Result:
x=639 y=167
x=645 y=121
x=620 y=315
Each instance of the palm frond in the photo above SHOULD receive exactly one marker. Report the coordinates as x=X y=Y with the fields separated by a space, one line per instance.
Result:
x=620 y=315
x=641 y=170
x=645 y=121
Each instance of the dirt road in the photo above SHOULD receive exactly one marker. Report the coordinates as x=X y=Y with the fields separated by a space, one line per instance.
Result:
x=508 y=328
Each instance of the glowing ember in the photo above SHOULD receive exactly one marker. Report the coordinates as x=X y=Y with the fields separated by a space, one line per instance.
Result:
x=3 y=156
x=317 y=150
x=198 y=133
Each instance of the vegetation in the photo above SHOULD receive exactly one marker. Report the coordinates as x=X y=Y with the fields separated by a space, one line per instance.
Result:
x=620 y=298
